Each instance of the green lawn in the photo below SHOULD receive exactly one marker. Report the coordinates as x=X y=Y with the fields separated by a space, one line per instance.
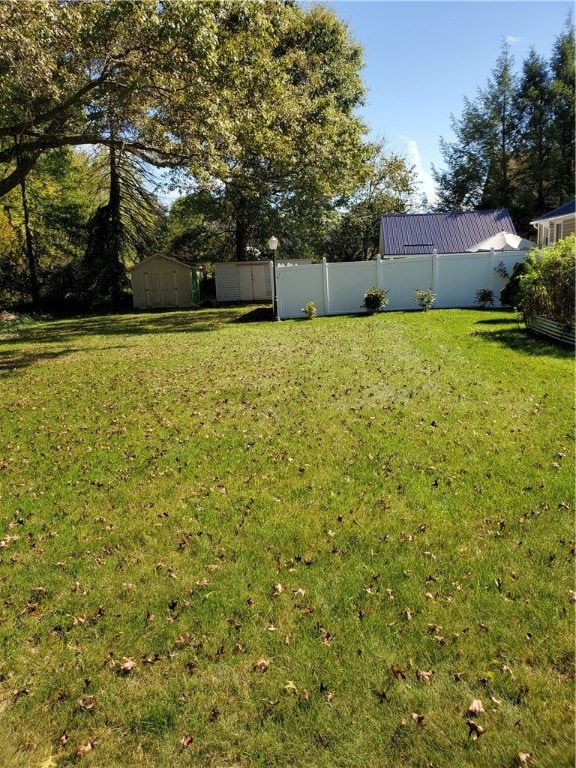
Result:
x=235 y=544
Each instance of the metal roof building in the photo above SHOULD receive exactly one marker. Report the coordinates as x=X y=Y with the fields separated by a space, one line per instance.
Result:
x=410 y=234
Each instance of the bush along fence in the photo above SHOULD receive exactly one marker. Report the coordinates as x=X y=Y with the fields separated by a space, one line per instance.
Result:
x=339 y=289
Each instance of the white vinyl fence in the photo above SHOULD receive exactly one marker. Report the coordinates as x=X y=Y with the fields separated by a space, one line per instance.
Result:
x=339 y=288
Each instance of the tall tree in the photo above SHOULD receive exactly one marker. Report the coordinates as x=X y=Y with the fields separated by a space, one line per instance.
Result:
x=563 y=73
x=60 y=197
x=496 y=121
x=390 y=188
x=533 y=172
x=159 y=63
x=515 y=143
x=298 y=139
x=121 y=231
x=478 y=163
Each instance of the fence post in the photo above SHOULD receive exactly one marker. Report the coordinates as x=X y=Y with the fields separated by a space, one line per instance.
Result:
x=379 y=276
x=434 y=285
x=325 y=286
x=491 y=268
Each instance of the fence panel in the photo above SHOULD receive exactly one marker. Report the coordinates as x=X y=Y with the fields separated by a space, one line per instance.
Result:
x=403 y=276
x=459 y=277
x=296 y=286
x=338 y=289
x=348 y=282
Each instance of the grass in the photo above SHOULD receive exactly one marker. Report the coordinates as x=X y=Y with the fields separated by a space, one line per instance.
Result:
x=230 y=544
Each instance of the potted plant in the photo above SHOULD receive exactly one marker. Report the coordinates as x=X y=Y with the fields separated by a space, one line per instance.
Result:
x=375 y=299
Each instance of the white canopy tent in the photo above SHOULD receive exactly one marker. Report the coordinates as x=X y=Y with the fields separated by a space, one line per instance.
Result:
x=503 y=241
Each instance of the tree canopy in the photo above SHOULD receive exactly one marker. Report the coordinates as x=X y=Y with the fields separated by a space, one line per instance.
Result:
x=252 y=101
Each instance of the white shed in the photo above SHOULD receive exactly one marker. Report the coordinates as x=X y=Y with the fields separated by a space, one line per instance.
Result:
x=162 y=282
x=248 y=280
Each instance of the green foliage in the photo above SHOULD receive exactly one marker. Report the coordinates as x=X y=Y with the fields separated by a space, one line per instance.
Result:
x=514 y=144
x=548 y=285
x=310 y=310
x=510 y=294
x=375 y=299
x=61 y=197
x=390 y=188
x=424 y=298
x=484 y=297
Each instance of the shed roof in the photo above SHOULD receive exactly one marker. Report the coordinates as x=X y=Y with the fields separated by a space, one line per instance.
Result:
x=185 y=260
x=454 y=232
x=563 y=210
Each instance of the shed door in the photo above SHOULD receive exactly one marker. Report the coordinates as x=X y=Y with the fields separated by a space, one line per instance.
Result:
x=259 y=290
x=246 y=289
x=161 y=289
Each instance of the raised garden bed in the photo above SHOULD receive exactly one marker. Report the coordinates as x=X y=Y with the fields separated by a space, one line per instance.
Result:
x=551 y=329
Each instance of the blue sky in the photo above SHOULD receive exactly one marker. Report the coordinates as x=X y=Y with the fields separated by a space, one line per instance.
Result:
x=422 y=57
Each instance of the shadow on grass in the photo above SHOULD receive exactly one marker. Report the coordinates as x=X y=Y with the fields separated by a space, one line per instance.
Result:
x=14 y=361
x=134 y=324
x=520 y=340
x=258 y=315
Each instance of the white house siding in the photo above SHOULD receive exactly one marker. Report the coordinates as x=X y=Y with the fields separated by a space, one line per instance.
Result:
x=339 y=288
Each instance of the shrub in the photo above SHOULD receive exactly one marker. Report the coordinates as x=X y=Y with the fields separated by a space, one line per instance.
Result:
x=375 y=299
x=424 y=299
x=310 y=310
x=484 y=297
x=510 y=294
x=548 y=284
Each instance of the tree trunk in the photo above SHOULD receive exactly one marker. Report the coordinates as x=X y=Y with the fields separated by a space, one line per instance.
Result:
x=30 y=255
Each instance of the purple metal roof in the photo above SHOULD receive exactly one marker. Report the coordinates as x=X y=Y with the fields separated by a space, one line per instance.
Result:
x=455 y=232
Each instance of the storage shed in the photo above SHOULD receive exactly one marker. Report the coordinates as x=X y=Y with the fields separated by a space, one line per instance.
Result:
x=248 y=280
x=163 y=282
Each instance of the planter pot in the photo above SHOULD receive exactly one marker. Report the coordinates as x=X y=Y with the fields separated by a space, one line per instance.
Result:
x=551 y=329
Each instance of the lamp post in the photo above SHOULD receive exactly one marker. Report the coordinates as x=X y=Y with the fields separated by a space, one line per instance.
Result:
x=273 y=245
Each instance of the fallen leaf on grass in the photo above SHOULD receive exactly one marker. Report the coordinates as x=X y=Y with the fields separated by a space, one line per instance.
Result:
x=87 y=704
x=475 y=730
x=418 y=719
x=523 y=758
x=476 y=707
x=425 y=676
x=185 y=741
x=262 y=664
x=127 y=667
x=83 y=749
x=48 y=763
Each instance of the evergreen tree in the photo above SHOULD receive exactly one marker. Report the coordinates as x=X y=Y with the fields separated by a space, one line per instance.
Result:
x=514 y=145
x=120 y=232
x=563 y=116
x=497 y=131
x=533 y=169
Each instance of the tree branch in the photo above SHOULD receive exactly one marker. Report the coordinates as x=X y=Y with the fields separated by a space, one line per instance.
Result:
x=19 y=128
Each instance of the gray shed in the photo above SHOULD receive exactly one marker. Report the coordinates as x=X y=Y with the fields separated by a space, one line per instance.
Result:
x=163 y=282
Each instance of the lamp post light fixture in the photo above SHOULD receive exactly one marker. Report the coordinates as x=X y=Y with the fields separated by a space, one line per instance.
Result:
x=273 y=245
